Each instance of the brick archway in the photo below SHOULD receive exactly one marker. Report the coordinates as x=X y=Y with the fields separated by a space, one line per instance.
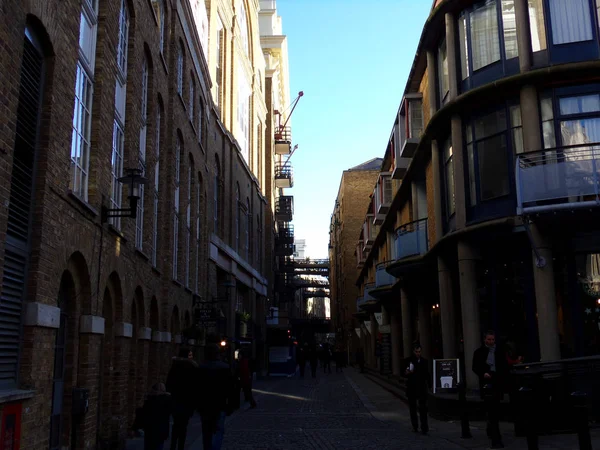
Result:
x=138 y=357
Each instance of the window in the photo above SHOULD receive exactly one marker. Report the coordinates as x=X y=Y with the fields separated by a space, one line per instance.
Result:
x=259 y=152
x=216 y=187
x=443 y=72
x=159 y=11
x=139 y=221
x=219 y=66
x=258 y=242
x=116 y=193
x=188 y=232
x=449 y=178
x=200 y=120
x=192 y=98
x=238 y=216
x=571 y=21
x=243 y=115
x=463 y=46
x=536 y=23
x=198 y=229
x=509 y=23
x=414 y=118
x=585 y=128
x=123 y=36
x=248 y=229
x=547 y=114
x=243 y=21
x=20 y=205
x=82 y=113
x=180 y=70
x=156 y=187
x=177 y=181
x=484 y=34
x=487 y=149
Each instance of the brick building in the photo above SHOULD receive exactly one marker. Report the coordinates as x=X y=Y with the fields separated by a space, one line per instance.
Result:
x=93 y=307
x=346 y=225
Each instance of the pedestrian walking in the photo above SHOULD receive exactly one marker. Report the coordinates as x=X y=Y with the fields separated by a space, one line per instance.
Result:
x=182 y=385
x=491 y=366
x=216 y=397
x=417 y=388
x=156 y=414
x=245 y=374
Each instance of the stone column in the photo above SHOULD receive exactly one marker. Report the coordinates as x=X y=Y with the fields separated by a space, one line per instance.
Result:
x=449 y=337
x=523 y=35
x=437 y=190
x=458 y=158
x=424 y=311
x=397 y=351
x=407 y=334
x=545 y=297
x=467 y=267
x=431 y=86
x=452 y=57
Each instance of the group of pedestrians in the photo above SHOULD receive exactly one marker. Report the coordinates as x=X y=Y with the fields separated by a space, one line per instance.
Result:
x=210 y=388
x=312 y=354
x=491 y=365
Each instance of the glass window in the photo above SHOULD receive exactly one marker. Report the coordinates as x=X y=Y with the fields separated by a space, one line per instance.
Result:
x=139 y=220
x=516 y=125
x=156 y=187
x=123 y=36
x=490 y=124
x=191 y=99
x=509 y=23
x=177 y=182
x=547 y=121
x=117 y=171
x=571 y=21
x=443 y=71
x=464 y=46
x=243 y=26
x=580 y=104
x=493 y=167
x=180 y=70
x=415 y=118
x=582 y=131
x=536 y=23
x=484 y=35
x=80 y=140
x=449 y=178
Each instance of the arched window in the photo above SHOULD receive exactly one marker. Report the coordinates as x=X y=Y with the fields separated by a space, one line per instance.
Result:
x=243 y=21
x=238 y=214
x=177 y=181
x=216 y=187
x=180 y=53
x=188 y=221
x=84 y=89
x=192 y=98
x=156 y=184
x=159 y=12
x=139 y=221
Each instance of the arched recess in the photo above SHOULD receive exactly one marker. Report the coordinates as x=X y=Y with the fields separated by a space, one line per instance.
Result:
x=73 y=299
x=136 y=382
x=153 y=352
x=114 y=365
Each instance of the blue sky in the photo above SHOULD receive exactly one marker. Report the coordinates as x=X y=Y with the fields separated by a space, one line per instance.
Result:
x=351 y=58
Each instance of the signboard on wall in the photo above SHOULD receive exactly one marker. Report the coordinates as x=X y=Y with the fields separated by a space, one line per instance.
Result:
x=10 y=433
x=446 y=375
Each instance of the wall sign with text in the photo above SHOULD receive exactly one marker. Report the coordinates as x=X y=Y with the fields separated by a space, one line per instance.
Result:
x=446 y=375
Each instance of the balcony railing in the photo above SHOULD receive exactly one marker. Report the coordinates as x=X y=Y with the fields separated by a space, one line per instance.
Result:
x=560 y=178
x=411 y=239
x=284 y=175
x=283 y=141
x=382 y=278
x=284 y=208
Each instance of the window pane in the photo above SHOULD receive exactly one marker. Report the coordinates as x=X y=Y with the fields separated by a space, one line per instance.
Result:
x=443 y=71
x=580 y=104
x=464 y=49
x=416 y=118
x=517 y=129
x=490 y=124
x=484 y=35
x=511 y=49
x=571 y=21
x=493 y=168
x=450 y=198
x=583 y=131
x=536 y=23
x=472 y=180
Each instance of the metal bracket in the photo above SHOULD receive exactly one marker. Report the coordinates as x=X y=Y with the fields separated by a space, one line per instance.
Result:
x=540 y=261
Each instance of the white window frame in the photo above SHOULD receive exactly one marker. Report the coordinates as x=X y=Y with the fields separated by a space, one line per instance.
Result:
x=123 y=37
x=243 y=23
x=116 y=195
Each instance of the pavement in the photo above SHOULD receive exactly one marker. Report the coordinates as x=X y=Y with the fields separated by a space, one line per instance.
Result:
x=345 y=411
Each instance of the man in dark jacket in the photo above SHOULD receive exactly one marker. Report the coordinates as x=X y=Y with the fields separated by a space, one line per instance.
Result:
x=216 y=397
x=417 y=387
x=182 y=383
x=156 y=414
x=490 y=365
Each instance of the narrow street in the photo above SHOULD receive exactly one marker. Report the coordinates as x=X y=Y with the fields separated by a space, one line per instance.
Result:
x=343 y=411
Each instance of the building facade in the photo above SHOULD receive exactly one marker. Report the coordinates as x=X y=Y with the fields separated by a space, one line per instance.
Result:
x=492 y=218
x=93 y=306
x=346 y=225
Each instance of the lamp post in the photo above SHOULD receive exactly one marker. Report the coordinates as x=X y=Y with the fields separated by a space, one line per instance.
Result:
x=134 y=180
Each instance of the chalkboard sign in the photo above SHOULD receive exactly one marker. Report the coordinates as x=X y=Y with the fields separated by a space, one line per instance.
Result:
x=446 y=375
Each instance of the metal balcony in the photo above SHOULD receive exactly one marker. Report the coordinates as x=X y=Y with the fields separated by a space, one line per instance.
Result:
x=283 y=141
x=383 y=198
x=560 y=178
x=369 y=231
x=284 y=208
x=283 y=249
x=284 y=175
x=285 y=233
x=382 y=278
x=411 y=239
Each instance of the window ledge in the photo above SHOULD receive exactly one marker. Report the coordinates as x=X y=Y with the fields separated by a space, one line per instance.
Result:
x=142 y=255
x=83 y=203
x=14 y=395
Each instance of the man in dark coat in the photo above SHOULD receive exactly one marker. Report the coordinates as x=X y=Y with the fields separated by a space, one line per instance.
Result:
x=156 y=414
x=417 y=387
x=182 y=383
x=216 y=397
x=491 y=366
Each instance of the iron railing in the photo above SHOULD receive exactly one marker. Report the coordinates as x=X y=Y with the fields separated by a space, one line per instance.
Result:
x=411 y=239
x=560 y=178
x=283 y=134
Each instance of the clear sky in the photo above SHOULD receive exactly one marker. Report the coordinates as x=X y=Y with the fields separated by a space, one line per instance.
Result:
x=352 y=59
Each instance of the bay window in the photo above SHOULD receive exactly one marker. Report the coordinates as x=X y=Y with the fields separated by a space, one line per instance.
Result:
x=485 y=41
x=571 y=21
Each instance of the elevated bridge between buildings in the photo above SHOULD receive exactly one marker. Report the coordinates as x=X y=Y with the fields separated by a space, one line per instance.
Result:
x=316 y=267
